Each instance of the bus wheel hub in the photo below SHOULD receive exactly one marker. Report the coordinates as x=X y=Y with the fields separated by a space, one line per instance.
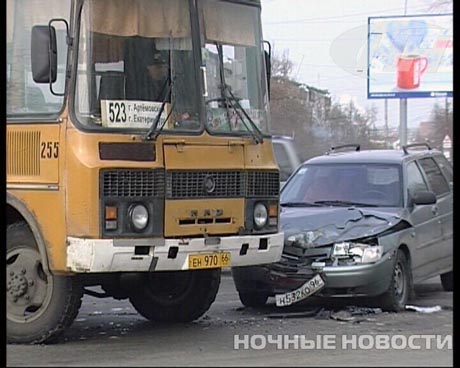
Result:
x=17 y=285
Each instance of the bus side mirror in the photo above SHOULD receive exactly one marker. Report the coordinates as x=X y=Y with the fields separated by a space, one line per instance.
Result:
x=268 y=64
x=44 y=54
x=268 y=68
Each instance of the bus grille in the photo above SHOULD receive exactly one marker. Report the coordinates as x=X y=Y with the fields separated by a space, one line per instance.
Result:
x=188 y=184
x=228 y=184
x=191 y=184
x=133 y=183
x=262 y=184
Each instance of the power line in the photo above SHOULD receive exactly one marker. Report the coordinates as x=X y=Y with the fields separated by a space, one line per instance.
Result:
x=317 y=39
x=307 y=20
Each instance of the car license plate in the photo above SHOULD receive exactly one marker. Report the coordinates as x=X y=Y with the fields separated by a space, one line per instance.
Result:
x=209 y=260
x=307 y=289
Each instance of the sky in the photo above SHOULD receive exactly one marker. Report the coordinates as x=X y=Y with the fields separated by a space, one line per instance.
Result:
x=318 y=35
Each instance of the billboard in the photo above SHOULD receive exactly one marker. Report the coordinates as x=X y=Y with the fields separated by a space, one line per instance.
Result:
x=410 y=56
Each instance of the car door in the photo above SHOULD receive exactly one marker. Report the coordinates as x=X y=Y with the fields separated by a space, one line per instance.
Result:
x=427 y=231
x=443 y=210
x=447 y=225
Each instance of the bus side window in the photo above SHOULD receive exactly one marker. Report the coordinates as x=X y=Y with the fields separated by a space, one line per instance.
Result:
x=24 y=96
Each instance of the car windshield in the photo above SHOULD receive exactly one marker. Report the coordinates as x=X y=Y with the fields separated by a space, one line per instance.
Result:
x=345 y=184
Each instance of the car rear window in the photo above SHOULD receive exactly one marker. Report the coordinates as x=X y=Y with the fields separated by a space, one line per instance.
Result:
x=445 y=167
x=434 y=175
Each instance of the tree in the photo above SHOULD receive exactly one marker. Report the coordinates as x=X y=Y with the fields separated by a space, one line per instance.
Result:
x=441 y=6
x=282 y=66
x=290 y=113
x=439 y=125
x=304 y=112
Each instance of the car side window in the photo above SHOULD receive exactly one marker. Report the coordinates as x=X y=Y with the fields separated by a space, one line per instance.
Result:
x=434 y=175
x=446 y=168
x=283 y=161
x=415 y=182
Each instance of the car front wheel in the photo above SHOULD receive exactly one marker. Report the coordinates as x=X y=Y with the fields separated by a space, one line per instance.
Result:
x=397 y=295
x=253 y=299
x=447 y=281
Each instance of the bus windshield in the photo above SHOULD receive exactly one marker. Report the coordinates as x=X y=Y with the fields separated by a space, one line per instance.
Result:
x=232 y=59
x=133 y=57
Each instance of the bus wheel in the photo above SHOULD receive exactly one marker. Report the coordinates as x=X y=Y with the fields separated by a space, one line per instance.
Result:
x=179 y=296
x=253 y=299
x=39 y=306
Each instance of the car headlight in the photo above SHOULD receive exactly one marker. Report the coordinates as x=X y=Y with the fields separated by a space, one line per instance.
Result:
x=303 y=239
x=361 y=253
x=139 y=216
x=260 y=215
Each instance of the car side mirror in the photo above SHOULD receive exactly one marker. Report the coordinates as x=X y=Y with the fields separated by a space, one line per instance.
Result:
x=424 y=197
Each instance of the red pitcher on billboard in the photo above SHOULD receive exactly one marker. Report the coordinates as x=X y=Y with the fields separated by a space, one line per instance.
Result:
x=410 y=69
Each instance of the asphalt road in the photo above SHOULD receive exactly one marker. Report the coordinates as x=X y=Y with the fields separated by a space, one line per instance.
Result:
x=108 y=332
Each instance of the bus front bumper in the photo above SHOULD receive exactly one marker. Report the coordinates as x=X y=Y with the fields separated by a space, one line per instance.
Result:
x=157 y=254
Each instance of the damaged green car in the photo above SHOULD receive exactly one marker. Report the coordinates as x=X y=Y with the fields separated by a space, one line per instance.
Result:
x=360 y=223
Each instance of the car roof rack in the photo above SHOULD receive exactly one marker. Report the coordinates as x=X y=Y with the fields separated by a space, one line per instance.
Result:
x=335 y=148
x=405 y=147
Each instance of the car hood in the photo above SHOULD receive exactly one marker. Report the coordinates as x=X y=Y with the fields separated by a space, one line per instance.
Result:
x=327 y=225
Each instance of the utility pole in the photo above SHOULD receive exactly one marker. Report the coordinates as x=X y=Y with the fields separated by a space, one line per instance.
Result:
x=386 y=120
x=403 y=109
x=446 y=103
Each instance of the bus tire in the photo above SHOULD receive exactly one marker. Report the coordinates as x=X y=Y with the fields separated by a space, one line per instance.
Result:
x=40 y=306
x=176 y=296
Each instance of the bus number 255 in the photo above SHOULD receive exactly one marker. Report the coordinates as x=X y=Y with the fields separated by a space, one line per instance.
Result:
x=49 y=150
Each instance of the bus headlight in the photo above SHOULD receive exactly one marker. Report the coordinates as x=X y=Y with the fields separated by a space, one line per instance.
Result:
x=260 y=215
x=139 y=216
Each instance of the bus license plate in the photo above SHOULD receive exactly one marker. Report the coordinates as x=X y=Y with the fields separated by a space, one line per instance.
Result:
x=209 y=260
x=307 y=289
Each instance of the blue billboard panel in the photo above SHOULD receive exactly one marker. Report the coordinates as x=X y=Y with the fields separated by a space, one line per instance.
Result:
x=410 y=56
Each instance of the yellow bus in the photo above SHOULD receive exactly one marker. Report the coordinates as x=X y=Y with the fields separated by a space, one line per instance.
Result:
x=139 y=156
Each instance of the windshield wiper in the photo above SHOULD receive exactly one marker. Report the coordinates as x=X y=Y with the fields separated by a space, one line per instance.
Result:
x=299 y=204
x=157 y=133
x=225 y=88
x=345 y=203
x=153 y=128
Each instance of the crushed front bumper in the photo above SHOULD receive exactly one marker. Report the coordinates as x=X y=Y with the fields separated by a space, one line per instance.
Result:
x=350 y=281
x=137 y=255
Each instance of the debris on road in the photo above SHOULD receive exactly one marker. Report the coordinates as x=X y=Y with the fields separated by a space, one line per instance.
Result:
x=308 y=313
x=433 y=309
x=348 y=314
